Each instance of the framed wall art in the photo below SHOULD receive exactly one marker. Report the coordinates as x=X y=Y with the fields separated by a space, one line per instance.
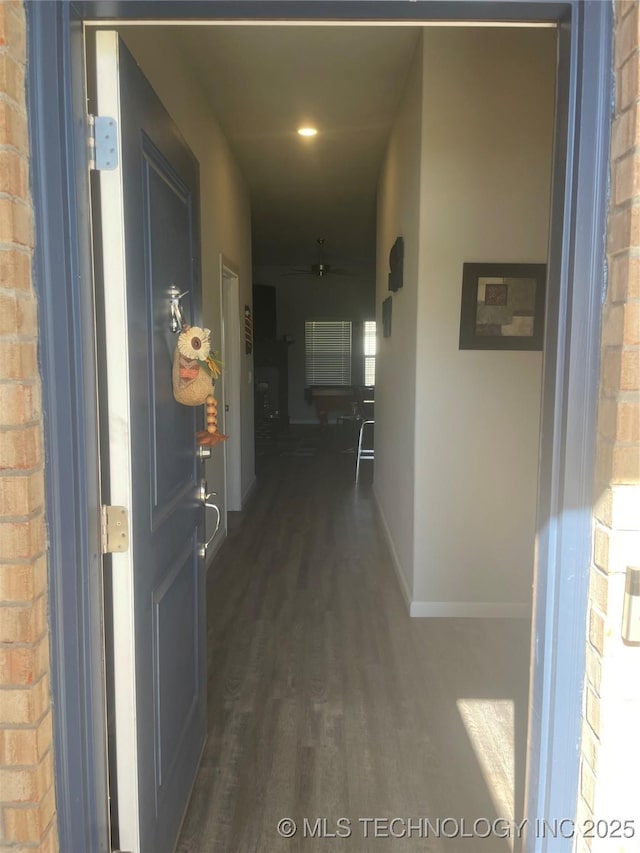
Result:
x=386 y=317
x=248 y=330
x=502 y=306
x=396 y=265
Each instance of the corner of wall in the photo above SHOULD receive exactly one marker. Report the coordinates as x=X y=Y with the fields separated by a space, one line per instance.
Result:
x=399 y=215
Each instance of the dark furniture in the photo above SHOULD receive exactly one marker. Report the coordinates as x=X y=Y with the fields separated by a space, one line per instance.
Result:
x=345 y=399
x=271 y=370
x=270 y=366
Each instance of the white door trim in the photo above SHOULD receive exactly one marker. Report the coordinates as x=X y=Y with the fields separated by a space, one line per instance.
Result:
x=119 y=438
x=231 y=378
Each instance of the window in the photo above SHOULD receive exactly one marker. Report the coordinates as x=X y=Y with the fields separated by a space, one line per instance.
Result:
x=327 y=352
x=370 y=352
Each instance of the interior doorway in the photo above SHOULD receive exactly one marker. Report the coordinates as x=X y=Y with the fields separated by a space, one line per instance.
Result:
x=423 y=70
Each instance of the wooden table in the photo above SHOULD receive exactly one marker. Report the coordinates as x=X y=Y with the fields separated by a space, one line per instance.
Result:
x=331 y=399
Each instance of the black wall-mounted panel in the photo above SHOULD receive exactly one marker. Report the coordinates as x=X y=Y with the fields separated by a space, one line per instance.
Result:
x=265 y=315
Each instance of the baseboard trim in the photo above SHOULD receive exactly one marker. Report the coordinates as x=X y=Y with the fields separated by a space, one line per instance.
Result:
x=446 y=609
x=395 y=562
x=470 y=609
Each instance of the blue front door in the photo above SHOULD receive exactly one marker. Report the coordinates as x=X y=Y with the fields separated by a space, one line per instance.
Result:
x=147 y=209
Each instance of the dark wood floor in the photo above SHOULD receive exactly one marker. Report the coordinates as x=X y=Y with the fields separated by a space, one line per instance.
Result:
x=326 y=700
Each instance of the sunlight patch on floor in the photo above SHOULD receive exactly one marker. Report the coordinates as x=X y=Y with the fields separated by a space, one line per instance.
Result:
x=490 y=727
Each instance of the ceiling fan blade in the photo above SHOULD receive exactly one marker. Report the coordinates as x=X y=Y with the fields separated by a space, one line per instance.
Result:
x=298 y=272
x=316 y=274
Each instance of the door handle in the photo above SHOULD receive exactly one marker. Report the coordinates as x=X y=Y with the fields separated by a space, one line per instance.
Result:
x=203 y=497
x=226 y=407
x=204 y=546
x=176 y=317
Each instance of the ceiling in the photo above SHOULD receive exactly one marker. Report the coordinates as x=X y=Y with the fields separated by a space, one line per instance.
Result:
x=265 y=82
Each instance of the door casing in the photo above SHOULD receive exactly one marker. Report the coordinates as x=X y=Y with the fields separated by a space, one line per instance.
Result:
x=63 y=275
x=231 y=343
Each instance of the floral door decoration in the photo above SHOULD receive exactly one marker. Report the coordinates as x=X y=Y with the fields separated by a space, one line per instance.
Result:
x=195 y=370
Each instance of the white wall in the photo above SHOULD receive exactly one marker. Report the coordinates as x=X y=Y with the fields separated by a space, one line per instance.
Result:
x=306 y=297
x=224 y=205
x=487 y=118
x=487 y=137
x=399 y=215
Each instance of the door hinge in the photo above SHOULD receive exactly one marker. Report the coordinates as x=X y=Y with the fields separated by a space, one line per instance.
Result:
x=115 y=529
x=103 y=143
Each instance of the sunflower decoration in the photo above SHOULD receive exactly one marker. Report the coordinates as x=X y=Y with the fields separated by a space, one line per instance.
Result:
x=195 y=343
x=195 y=370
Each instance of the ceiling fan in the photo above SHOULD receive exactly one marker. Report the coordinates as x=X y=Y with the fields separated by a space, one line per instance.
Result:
x=321 y=267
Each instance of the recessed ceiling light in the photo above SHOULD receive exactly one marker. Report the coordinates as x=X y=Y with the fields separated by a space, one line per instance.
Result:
x=307 y=131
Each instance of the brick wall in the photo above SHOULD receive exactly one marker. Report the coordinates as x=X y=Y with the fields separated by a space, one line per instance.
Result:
x=610 y=780
x=27 y=806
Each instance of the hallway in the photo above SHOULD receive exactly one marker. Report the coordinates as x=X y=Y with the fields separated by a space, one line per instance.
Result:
x=326 y=700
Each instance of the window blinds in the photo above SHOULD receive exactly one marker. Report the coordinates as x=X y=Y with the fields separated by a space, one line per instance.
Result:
x=328 y=352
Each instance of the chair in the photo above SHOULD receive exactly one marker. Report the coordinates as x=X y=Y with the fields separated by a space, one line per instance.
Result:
x=363 y=452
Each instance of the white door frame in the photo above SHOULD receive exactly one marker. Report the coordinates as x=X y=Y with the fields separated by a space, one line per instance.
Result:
x=119 y=432
x=231 y=376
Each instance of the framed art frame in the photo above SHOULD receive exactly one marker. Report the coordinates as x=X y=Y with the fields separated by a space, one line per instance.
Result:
x=248 y=330
x=396 y=265
x=502 y=306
